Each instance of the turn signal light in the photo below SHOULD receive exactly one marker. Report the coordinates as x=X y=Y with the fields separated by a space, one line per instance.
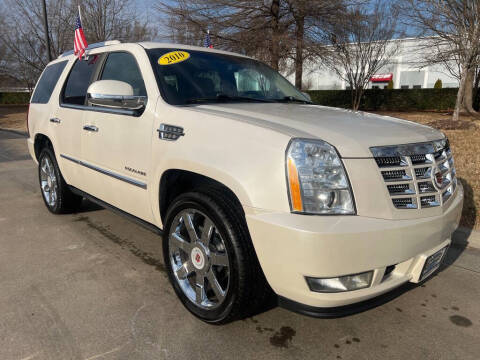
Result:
x=294 y=186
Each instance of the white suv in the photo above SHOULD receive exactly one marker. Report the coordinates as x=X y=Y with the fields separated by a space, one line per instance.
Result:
x=255 y=188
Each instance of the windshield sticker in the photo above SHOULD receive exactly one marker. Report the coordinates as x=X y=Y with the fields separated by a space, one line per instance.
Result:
x=173 y=57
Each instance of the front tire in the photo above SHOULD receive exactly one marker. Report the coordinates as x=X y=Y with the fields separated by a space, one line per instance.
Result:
x=55 y=192
x=210 y=258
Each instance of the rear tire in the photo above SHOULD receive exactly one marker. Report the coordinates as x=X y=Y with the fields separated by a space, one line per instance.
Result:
x=56 y=194
x=237 y=287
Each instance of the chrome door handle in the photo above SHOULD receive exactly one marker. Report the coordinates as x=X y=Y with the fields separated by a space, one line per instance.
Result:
x=55 y=120
x=90 y=128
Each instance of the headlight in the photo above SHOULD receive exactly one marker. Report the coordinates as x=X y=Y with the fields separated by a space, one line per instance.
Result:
x=317 y=181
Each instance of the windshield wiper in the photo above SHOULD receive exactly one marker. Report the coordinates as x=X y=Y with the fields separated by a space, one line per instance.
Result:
x=291 y=99
x=225 y=97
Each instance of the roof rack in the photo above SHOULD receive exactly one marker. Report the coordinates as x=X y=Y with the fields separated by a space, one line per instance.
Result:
x=93 y=46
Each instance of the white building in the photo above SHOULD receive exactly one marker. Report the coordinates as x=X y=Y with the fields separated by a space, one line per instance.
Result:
x=407 y=70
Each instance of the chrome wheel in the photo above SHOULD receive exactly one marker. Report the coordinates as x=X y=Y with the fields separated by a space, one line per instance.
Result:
x=199 y=258
x=48 y=181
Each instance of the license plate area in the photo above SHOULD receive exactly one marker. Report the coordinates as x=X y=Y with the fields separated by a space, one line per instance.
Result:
x=432 y=263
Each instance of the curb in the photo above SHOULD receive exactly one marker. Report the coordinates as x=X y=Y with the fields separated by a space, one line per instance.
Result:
x=17 y=132
x=466 y=237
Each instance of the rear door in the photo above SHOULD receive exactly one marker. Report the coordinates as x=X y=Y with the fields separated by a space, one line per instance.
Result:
x=68 y=118
x=117 y=151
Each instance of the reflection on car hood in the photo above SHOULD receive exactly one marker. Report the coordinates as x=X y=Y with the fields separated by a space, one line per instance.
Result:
x=352 y=133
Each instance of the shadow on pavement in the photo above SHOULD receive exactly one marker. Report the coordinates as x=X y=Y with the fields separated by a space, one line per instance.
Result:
x=88 y=206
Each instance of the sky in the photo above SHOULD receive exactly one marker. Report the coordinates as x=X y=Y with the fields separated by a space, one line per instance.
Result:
x=145 y=6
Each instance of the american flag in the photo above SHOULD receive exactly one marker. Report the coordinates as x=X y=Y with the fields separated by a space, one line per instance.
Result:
x=80 y=43
x=208 y=43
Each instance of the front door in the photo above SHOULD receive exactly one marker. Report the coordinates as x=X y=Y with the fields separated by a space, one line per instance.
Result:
x=116 y=146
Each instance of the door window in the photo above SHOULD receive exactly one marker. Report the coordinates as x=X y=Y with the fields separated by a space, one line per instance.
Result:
x=122 y=66
x=80 y=77
x=47 y=83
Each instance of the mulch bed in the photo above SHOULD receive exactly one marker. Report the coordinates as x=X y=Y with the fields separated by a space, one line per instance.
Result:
x=448 y=124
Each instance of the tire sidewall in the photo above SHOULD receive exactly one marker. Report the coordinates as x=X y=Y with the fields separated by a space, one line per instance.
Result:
x=200 y=202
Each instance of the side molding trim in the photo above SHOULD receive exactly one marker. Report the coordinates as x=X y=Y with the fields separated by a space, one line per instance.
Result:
x=107 y=172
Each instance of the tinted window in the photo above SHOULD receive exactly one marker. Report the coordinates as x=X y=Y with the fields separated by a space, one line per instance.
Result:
x=122 y=66
x=47 y=83
x=78 y=81
x=213 y=77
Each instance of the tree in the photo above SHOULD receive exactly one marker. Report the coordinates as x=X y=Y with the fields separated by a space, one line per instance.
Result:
x=453 y=27
x=390 y=85
x=438 y=84
x=279 y=32
x=360 y=45
x=309 y=19
x=22 y=37
x=113 y=19
x=252 y=27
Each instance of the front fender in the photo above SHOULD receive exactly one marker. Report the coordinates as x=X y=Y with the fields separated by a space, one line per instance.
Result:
x=201 y=169
x=244 y=157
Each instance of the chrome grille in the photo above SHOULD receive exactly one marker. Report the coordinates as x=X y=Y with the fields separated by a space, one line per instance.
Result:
x=423 y=172
x=426 y=187
x=405 y=203
x=395 y=175
x=429 y=201
x=418 y=159
x=400 y=189
x=418 y=175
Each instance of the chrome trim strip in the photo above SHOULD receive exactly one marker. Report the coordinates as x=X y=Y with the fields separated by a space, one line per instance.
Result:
x=424 y=148
x=124 y=102
x=92 y=46
x=101 y=109
x=106 y=172
x=116 y=97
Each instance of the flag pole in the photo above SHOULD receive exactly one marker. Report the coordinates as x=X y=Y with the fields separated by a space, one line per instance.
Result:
x=80 y=15
x=47 y=36
x=81 y=21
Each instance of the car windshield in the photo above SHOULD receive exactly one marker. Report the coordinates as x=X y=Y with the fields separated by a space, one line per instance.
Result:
x=196 y=77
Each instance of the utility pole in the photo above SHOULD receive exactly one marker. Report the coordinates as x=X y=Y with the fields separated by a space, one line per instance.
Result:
x=45 y=24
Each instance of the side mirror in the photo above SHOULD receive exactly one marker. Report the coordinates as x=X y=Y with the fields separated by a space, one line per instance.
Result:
x=307 y=95
x=114 y=94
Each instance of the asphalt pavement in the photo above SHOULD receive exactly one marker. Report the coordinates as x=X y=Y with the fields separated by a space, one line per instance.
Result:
x=92 y=285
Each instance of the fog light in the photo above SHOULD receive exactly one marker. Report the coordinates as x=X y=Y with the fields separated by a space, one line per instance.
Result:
x=341 y=283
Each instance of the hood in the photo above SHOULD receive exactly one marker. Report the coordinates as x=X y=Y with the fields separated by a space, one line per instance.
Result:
x=352 y=133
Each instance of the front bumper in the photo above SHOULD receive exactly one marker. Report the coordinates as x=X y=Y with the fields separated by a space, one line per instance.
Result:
x=291 y=246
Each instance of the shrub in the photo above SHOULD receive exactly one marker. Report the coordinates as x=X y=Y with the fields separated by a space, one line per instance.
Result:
x=390 y=85
x=438 y=84
x=392 y=100
x=14 y=98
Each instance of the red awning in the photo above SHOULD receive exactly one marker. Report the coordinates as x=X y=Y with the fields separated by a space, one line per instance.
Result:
x=381 y=78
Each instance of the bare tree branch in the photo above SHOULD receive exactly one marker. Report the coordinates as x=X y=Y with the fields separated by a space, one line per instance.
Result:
x=360 y=45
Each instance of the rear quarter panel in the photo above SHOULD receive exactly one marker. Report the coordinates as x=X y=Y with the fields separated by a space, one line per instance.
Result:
x=39 y=114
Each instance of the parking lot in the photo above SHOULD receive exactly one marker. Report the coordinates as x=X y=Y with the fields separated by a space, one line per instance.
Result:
x=92 y=285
